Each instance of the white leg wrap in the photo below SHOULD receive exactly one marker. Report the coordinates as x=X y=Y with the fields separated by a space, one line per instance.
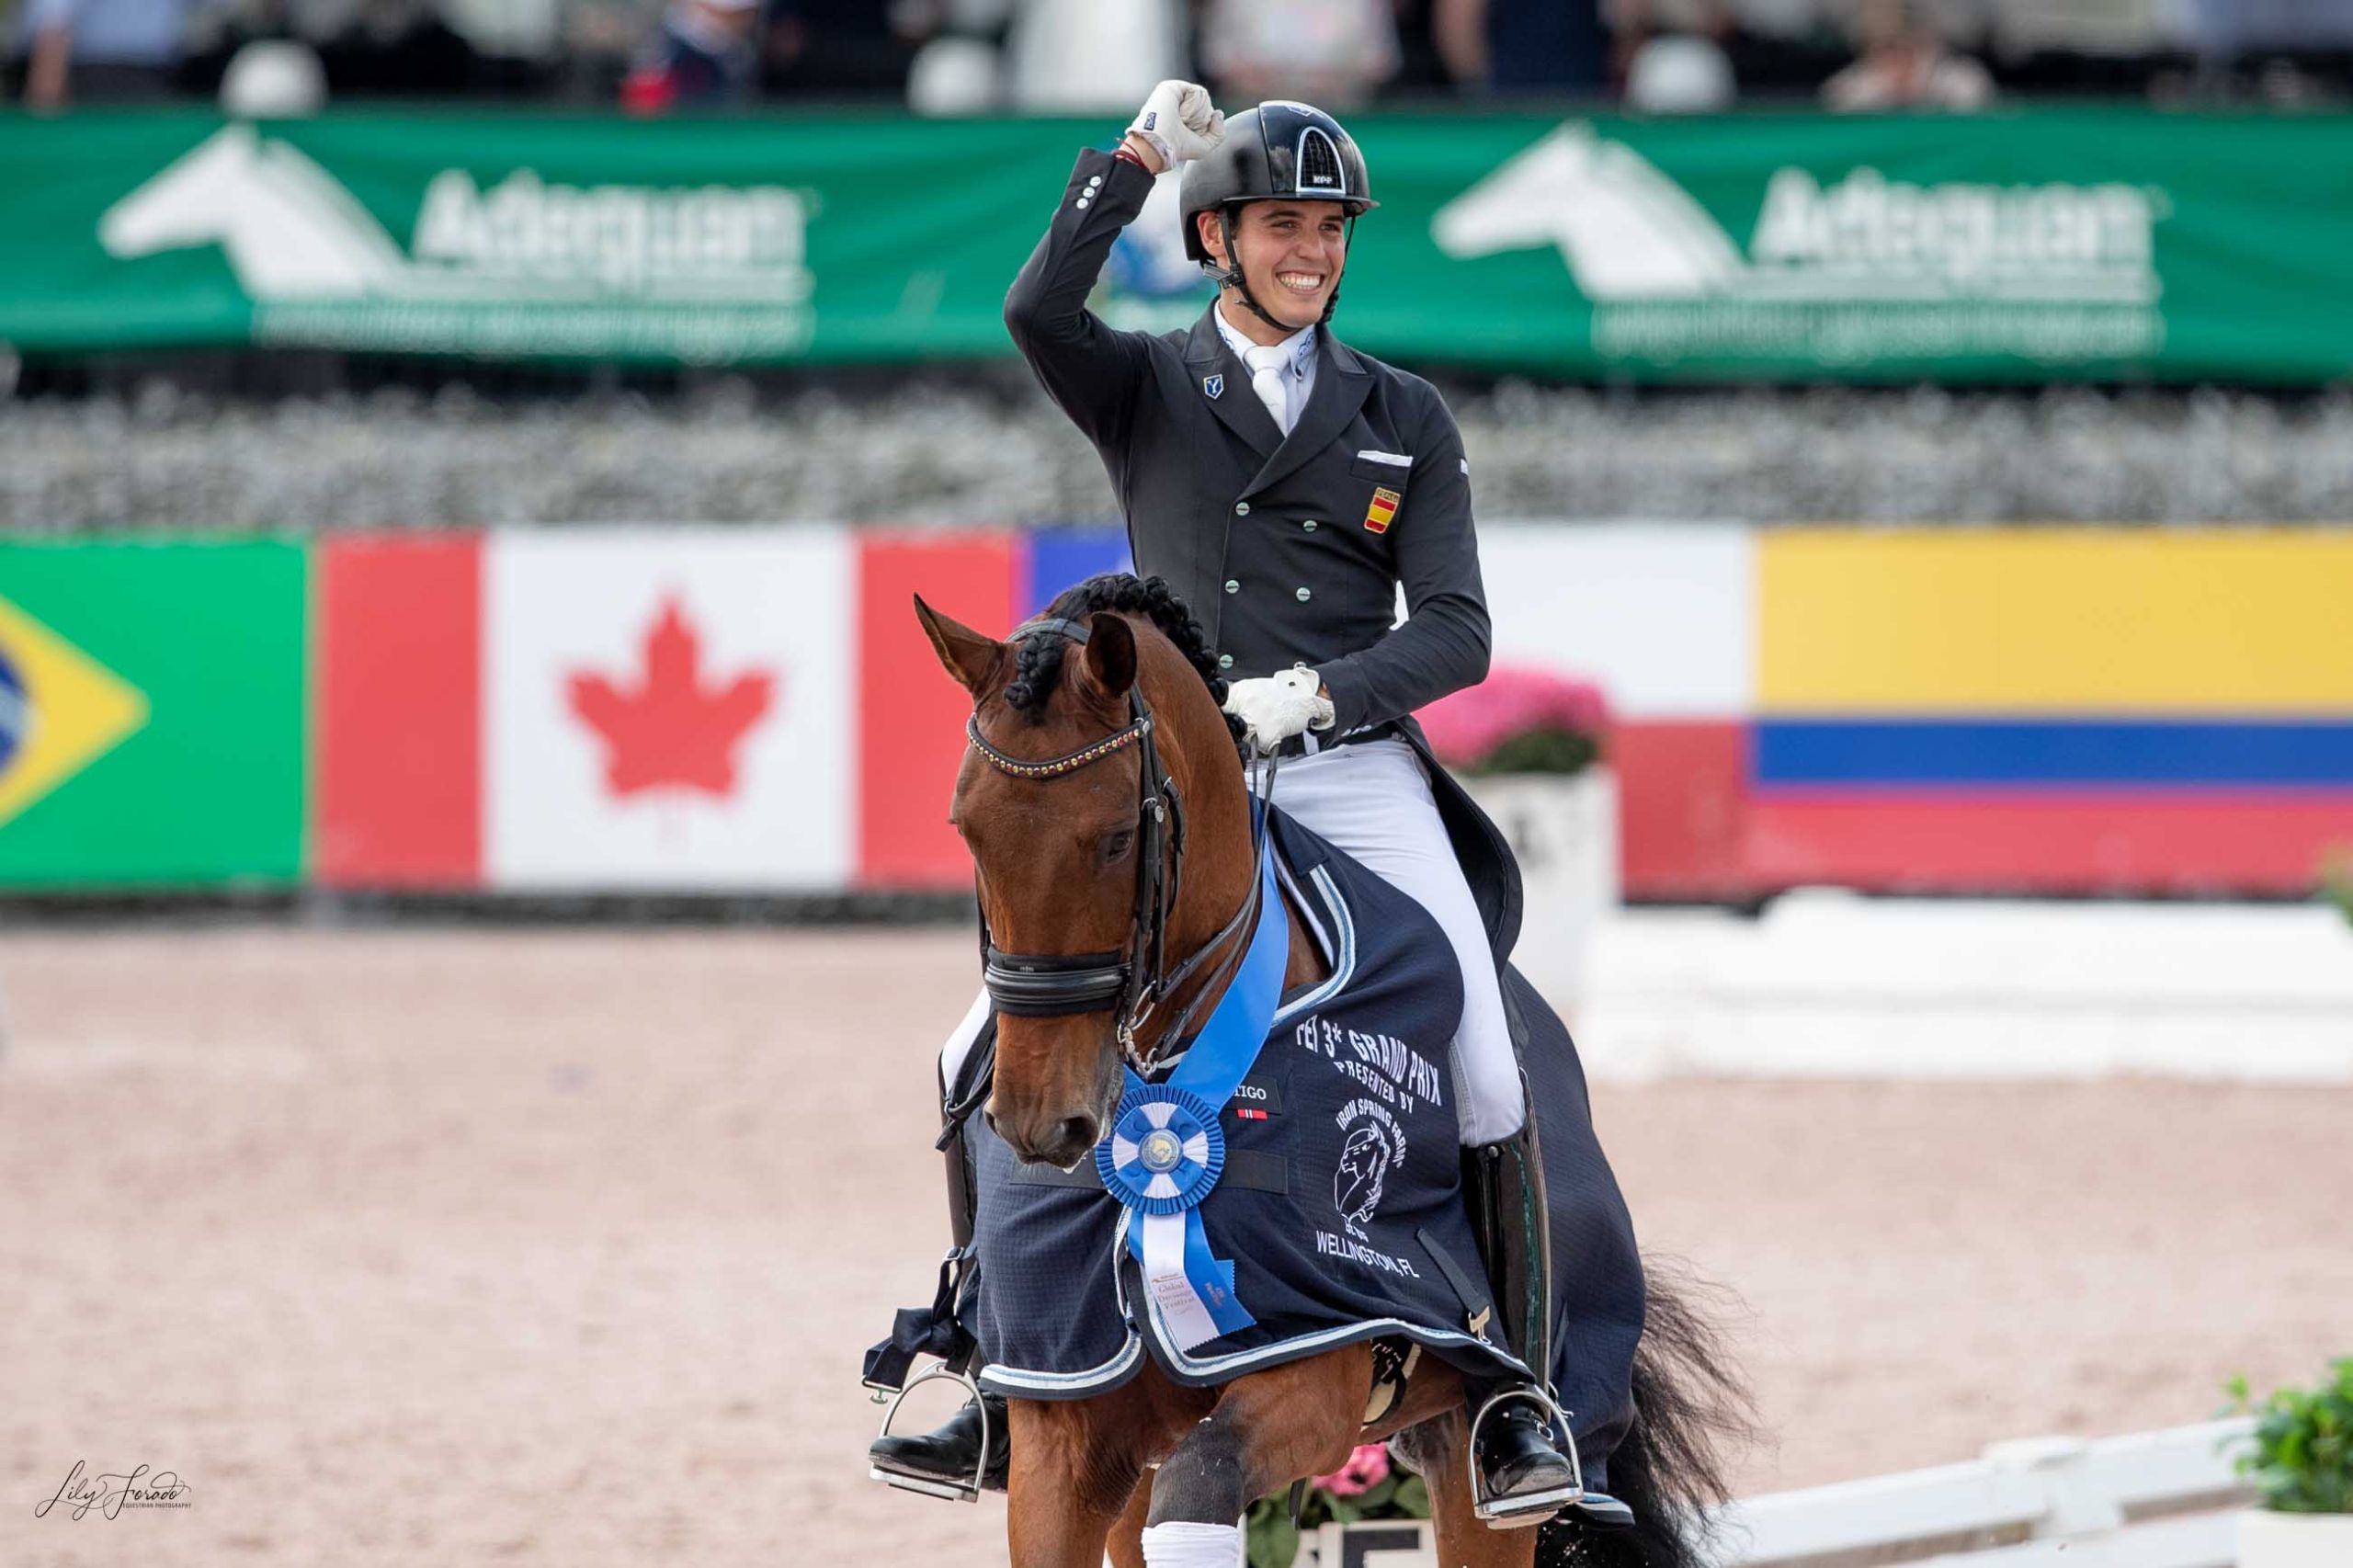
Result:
x=1192 y=1546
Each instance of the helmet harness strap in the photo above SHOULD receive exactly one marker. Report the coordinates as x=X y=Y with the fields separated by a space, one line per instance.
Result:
x=1231 y=278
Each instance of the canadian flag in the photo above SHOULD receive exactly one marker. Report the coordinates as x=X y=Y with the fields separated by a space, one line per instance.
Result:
x=669 y=709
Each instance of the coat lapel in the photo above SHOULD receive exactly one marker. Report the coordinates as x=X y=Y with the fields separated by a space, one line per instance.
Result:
x=1206 y=354
x=1342 y=384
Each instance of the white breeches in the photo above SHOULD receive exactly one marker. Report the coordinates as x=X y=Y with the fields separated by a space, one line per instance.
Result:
x=1372 y=799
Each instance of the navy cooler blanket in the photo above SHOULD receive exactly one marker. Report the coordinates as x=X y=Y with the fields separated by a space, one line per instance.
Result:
x=1340 y=1203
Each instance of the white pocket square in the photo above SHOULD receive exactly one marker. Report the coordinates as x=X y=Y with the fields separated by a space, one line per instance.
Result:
x=1398 y=459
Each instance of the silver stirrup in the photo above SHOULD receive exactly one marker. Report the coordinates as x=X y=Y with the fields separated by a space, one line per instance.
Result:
x=1528 y=1508
x=953 y=1491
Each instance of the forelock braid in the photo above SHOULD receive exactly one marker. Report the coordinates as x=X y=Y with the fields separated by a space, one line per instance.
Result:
x=1038 y=669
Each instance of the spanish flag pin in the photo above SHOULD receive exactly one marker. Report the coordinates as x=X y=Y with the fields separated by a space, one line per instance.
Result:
x=1383 y=507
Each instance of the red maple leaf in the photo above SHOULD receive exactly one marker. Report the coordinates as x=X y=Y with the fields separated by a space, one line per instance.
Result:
x=670 y=729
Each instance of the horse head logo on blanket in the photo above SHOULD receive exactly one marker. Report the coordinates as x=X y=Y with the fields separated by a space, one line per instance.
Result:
x=1364 y=1161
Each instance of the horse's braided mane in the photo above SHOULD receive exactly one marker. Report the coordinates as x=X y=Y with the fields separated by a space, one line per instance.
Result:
x=1039 y=667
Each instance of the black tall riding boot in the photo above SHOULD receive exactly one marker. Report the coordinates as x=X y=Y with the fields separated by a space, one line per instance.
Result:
x=950 y=1455
x=1525 y=1476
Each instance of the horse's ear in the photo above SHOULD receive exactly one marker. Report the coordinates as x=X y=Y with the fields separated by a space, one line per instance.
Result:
x=967 y=654
x=1110 y=654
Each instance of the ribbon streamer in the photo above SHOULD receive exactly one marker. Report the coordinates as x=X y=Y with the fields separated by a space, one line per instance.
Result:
x=1166 y=1150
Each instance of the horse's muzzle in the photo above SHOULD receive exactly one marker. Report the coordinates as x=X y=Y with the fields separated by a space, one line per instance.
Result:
x=1061 y=1141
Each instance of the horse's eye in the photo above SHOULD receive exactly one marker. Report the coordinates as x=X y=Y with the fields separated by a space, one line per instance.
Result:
x=1117 y=844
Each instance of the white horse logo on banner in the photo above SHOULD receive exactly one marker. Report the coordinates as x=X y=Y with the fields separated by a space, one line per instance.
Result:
x=1626 y=231
x=289 y=230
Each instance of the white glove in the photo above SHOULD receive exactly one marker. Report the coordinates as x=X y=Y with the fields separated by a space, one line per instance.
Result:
x=1179 y=122
x=1277 y=707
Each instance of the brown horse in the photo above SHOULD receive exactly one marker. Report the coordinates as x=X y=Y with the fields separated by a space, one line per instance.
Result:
x=1057 y=804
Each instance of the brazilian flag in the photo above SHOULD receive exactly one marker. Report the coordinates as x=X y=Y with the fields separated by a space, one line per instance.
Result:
x=151 y=713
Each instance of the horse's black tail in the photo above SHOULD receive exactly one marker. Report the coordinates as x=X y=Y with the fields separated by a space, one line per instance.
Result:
x=1692 y=1415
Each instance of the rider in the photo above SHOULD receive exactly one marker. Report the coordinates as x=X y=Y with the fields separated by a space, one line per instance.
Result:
x=1286 y=485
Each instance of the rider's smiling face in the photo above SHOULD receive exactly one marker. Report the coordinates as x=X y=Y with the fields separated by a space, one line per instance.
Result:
x=1292 y=255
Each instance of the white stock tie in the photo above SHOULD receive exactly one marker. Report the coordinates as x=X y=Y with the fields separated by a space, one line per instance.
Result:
x=1267 y=363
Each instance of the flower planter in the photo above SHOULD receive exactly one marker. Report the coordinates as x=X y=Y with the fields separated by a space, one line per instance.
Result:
x=1564 y=831
x=1389 y=1543
x=2268 y=1539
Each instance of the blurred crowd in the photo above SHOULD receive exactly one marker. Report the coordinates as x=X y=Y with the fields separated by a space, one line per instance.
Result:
x=135 y=451
x=1087 y=56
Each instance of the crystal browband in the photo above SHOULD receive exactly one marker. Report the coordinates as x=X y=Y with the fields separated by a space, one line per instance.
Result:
x=1053 y=767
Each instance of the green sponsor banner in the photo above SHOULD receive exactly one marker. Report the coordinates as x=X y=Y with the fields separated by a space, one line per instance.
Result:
x=2112 y=243
x=151 y=713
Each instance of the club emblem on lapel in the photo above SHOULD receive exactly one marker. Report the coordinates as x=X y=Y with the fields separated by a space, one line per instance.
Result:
x=1213 y=386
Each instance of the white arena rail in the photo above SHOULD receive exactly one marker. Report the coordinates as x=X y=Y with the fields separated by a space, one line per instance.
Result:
x=2152 y=1500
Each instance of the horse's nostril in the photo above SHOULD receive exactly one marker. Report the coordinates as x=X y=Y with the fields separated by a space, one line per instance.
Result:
x=1078 y=1133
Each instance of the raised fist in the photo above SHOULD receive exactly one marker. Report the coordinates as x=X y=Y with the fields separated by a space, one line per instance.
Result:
x=1179 y=122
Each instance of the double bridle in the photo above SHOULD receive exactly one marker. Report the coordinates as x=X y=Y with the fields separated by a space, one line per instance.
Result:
x=1132 y=982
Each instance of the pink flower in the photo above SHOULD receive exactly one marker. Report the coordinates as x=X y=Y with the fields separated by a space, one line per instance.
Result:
x=1367 y=1468
x=1465 y=727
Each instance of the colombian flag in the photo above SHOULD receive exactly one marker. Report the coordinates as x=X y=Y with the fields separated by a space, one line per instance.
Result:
x=2053 y=707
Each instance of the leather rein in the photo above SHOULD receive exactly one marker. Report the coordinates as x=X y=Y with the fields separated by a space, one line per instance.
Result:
x=1131 y=983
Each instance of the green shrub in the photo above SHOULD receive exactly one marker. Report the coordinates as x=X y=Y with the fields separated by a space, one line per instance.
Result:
x=1273 y=1540
x=1540 y=751
x=2302 y=1456
x=2336 y=880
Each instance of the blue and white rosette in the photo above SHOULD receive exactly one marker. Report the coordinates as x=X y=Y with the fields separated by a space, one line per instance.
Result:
x=1165 y=1149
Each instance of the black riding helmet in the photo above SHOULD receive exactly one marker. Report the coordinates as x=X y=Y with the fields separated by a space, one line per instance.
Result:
x=1278 y=152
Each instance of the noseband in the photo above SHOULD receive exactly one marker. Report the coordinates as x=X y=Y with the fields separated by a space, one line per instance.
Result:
x=1129 y=983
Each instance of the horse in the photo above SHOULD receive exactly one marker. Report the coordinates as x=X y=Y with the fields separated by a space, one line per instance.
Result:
x=1108 y=814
